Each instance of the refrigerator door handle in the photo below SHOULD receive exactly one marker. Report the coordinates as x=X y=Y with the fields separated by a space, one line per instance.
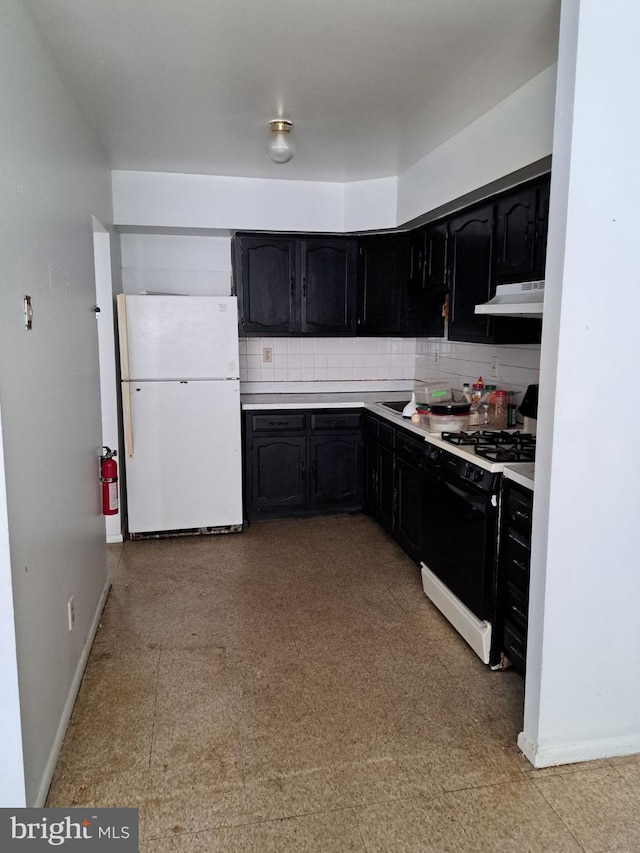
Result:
x=123 y=336
x=127 y=419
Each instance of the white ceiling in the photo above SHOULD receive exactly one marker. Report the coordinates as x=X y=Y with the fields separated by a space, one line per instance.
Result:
x=371 y=85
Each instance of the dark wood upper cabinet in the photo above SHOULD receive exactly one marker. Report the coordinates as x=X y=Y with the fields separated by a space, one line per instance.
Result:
x=328 y=273
x=292 y=285
x=382 y=277
x=397 y=283
x=514 y=251
x=427 y=283
x=542 y=226
x=521 y=233
x=437 y=257
x=266 y=284
x=470 y=240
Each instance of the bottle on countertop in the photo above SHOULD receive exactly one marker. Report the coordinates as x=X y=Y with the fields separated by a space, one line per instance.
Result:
x=489 y=399
x=476 y=416
x=500 y=410
x=511 y=410
x=466 y=392
x=477 y=390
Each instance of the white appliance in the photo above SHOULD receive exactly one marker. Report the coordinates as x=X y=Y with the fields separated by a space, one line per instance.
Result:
x=181 y=412
x=525 y=299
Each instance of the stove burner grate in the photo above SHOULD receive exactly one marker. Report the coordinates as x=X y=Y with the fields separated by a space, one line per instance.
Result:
x=496 y=445
x=504 y=453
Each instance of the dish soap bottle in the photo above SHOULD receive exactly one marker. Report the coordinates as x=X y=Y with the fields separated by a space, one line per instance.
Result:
x=411 y=408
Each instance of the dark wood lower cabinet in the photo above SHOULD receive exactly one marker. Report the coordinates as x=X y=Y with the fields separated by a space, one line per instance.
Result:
x=513 y=574
x=335 y=470
x=385 y=509
x=370 y=478
x=408 y=522
x=279 y=481
x=302 y=463
x=393 y=481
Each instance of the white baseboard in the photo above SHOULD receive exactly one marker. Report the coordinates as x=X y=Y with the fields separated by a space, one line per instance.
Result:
x=572 y=753
x=54 y=755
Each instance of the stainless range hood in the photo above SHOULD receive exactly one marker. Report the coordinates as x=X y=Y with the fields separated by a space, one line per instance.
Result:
x=524 y=299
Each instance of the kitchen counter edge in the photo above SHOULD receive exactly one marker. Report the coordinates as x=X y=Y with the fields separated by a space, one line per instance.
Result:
x=368 y=400
x=520 y=472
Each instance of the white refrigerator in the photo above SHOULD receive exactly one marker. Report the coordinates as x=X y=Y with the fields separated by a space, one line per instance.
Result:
x=181 y=412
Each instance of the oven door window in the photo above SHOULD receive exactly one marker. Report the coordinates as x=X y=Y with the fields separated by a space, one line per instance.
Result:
x=459 y=533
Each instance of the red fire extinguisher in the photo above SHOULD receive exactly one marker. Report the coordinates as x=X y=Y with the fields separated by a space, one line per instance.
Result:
x=109 y=480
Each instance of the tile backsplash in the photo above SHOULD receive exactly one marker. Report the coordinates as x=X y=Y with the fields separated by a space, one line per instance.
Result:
x=346 y=359
x=516 y=366
x=327 y=359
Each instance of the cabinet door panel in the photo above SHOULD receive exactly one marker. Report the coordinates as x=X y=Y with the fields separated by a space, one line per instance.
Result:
x=370 y=484
x=386 y=487
x=382 y=281
x=542 y=225
x=427 y=282
x=515 y=231
x=470 y=240
x=409 y=511
x=437 y=258
x=267 y=292
x=328 y=270
x=279 y=473
x=335 y=470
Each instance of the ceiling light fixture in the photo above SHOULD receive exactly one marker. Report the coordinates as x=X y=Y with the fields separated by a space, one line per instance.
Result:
x=280 y=147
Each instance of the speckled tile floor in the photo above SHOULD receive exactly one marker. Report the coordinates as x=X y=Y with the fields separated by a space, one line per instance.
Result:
x=290 y=688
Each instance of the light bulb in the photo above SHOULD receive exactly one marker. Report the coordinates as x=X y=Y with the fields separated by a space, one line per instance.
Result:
x=280 y=147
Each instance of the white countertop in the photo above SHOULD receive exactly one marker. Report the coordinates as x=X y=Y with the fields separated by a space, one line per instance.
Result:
x=520 y=472
x=370 y=400
x=325 y=400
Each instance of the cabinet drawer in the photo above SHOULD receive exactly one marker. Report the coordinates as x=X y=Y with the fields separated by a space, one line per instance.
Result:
x=517 y=560
x=516 y=605
x=519 y=508
x=409 y=448
x=335 y=420
x=279 y=422
x=386 y=435
x=515 y=646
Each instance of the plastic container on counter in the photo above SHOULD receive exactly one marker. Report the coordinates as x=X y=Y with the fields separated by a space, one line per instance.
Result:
x=447 y=423
x=448 y=417
x=438 y=391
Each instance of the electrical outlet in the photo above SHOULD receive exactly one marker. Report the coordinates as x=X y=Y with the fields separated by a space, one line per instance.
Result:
x=71 y=613
x=493 y=367
x=267 y=354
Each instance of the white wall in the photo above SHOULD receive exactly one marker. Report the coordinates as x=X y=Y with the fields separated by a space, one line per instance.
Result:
x=514 y=134
x=12 y=791
x=53 y=180
x=176 y=263
x=370 y=205
x=207 y=201
x=105 y=324
x=583 y=690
